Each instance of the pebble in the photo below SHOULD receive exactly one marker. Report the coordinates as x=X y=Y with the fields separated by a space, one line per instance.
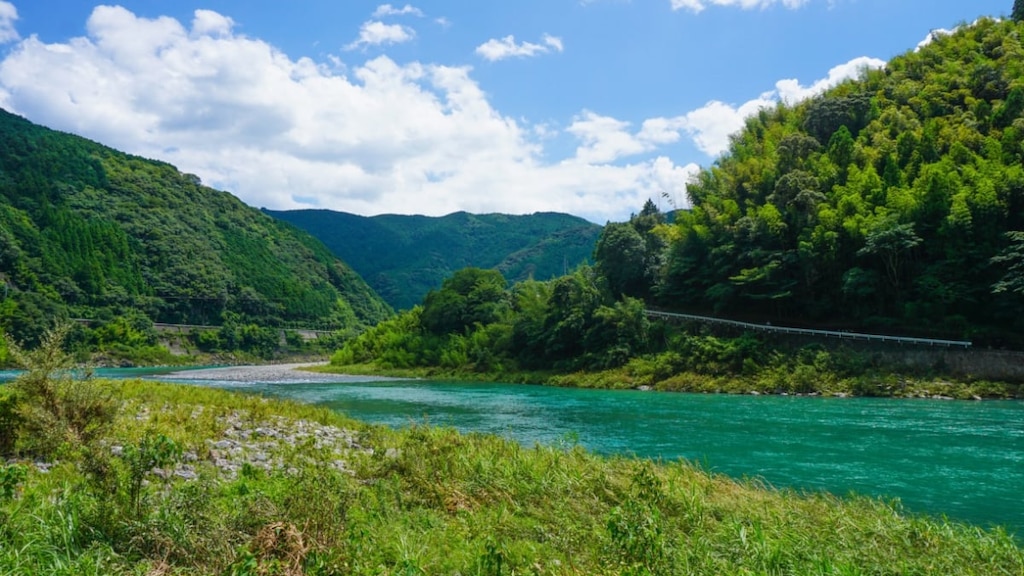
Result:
x=239 y=446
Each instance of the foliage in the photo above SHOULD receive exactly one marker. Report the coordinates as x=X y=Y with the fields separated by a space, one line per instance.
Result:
x=630 y=255
x=471 y=296
x=405 y=257
x=152 y=451
x=89 y=232
x=636 y=528
x=882 y=204
x=11 y=475
x=474 y=323
x=56 y=409
x=1011 y=259
x=432 y=501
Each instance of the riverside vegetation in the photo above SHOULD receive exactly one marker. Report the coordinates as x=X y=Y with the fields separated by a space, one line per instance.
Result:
x=131 y=477
x=569 y=332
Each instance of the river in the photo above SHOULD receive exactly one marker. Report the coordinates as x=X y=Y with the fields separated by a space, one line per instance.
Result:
x=964 y=460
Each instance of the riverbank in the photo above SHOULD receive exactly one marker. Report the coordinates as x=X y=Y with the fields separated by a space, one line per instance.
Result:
x=257 y=486
x=640 y=375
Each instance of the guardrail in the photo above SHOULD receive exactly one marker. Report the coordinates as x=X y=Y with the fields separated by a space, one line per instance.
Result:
x=808 y=331
x=163 y=326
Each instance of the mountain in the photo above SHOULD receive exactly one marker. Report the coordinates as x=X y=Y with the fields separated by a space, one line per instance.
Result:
x=404 y=257
x=892 y=202
x=91 y=232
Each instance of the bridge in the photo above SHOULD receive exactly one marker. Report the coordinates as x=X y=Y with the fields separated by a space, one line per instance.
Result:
x=807 y=331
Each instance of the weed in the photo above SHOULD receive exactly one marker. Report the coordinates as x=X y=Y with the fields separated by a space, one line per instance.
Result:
x=11 y=476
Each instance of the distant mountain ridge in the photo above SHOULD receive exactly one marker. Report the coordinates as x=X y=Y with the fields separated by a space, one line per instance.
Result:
x=404 y=257
x=89 y=232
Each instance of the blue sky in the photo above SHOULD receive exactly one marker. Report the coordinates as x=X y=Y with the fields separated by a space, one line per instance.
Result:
x=581 y=106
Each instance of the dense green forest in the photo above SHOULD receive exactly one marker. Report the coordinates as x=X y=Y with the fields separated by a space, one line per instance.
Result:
x=404 y=257
x=892 y=204
x=89 y=232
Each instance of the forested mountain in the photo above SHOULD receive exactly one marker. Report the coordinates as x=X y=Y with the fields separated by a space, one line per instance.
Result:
x=893 y=202
x=404 y=257
x=91 y=232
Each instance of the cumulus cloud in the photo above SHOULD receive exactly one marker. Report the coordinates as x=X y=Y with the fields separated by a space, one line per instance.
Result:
x=376 y=137
x=792 y=92
x=376 y=33
x=605 y=139
x=8 y=16
x=698 y=6
x=500 y=49
x=210 y=23
x=933 y=36
x=389 y=10
x=711 y=125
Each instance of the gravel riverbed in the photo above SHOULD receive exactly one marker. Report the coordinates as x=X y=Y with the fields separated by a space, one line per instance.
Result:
x=269 y=373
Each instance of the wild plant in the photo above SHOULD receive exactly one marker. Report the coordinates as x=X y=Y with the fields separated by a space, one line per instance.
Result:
x=635 y=526
x=57 y=408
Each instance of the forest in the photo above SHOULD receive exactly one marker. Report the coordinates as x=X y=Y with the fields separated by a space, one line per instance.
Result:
x=91 y=233
x=402 y=257
x=891 y=204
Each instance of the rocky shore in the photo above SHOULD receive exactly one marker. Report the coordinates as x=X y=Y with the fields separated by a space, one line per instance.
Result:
x=268 y=373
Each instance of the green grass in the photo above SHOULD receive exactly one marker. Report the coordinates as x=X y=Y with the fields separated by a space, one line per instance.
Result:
x=432 y=501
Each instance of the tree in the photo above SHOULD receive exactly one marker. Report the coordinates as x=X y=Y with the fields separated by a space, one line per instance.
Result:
x=470 y=296
x=620 y=255
x=1012 y=260
x=891 y=242
x=1018 y=11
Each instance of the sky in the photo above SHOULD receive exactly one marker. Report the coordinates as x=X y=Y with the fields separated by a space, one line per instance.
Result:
x=589 y=107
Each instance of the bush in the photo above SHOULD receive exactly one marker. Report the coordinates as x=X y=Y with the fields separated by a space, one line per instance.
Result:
x=55 y=407
x=10 y=421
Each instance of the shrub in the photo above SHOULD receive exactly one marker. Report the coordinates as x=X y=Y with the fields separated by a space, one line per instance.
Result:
x=55 y=407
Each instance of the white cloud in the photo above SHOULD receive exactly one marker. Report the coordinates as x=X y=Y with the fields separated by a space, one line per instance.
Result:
x=553 y=42
x=375 y=33
x=210 y=23
x=711 y=125
x=699 y=5
x=605 y=139
x=792 y=92
x=389 y=10
x=282 y=133
x=495 y=49
x=8 y=16
x=933 y=36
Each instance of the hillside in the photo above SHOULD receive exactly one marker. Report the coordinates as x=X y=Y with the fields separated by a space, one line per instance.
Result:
x=90 y=232
x=891 y=203
x=404 y=257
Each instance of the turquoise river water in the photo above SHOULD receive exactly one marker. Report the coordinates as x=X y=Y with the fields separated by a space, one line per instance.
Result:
x=964 y=460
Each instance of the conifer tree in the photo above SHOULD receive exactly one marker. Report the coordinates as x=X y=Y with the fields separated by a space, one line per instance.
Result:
x=1018 y=11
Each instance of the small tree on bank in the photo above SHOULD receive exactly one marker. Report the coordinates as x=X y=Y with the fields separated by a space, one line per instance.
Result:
x=56 y=409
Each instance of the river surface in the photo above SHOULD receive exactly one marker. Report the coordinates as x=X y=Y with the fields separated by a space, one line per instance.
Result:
x=964 y=460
